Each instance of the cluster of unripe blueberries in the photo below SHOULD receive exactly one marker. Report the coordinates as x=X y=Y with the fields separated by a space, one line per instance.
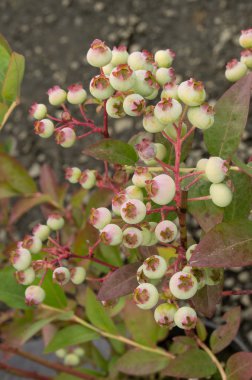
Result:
x=71 y=356
x=235 y=69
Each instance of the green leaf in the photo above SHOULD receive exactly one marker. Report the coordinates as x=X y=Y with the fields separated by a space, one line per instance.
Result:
x=13 y=78
x=113 y=151
x=239 y=366
x=5 y=54
x=70 y=336
x=141 y=363
x=192 y=363
x=55 y=295
x=11 y=293
x=226 y=245
x=223 y=138
x=224 y=335
x=244 y=167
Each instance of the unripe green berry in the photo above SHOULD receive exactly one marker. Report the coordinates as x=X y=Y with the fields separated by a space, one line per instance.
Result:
x=165 y=75
x=122 y=78
x=114 y=106
x=146 y=296
x=140 y=61
x=185 y=318
x=73 y=174
x=246 y=58
x=141 y=175
x=38 y=111
x=213 y=276
x=145 y=83
x=245 y=39
x=117 y=202
x=191 y=92
x=42 y=231
x=235 y=70
x=134 y=192
x=66 y=137
x=154 y=267
x=61 y=275
x=71 y=360
x=133 y=211
x=57 y=96
x=221 y=194
x=79 y=351
x=20 y=258
x=132 y=237
x=199 y=274
x=119 y=55
x=25 y=277
x=161 y=189
x=34 y=295
x=168 y=110
x=76 y=94
x=134 y=105
x=171 y=131
x=150 y=122
x=107 y=69
x=164 y=58
x=61 y=353
x=100 y=87
x=183 y=285
x=190 y=251
x=164 y=314
x=44 y=128
x=78 y=275
x=141 y=278
x=99 y=54
x=152 y=239
x=216 y=169
x=201 y=117
x=166 y=231
x=160 y=153
x=100 y=217
x=170 y=90
x=55 y=222
x=87 y=179
x=111 y=234
x=32 y=243
x=201 y=166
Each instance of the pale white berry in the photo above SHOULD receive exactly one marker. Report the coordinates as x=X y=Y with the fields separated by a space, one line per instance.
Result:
x=73 y=174
x=57 y=96
x=141 y=278
x=100 y=87
x=76 y=94
x=161 y=189
x=132 y=237
x=99 y=54
x=100 y=217
x=191 y=92
x=164 y=314
x=134 y=105
x=146 y=296
x=111 y=234
x=61 y=353
x=38 y=111
x=114 y=106
x=79 y=351
x=140 y=176
x=44 y=128
x=134 y=192
x=66 y=137
x=55 y=222
x=150 y=123
x=87 y=179
x=34 y=295
x=78 y=275
x=183 y=285
x=202 y=116
x=154 y=267
x=122 y=78
x=133 y=211
x=20 y=258
x=185 y=318
x=117 y=202
x=245 y=39
x=198 y=273
x=172 y=131
x=168 y=110
x=71 y=360
x=246 y=57
x=145 y=83
x=165 y=75
x=32 y=243
x=215 y=169
x=221 y=194
x=166 y=231
x=42 y=231
x=61 y=275
x=170 y=90
x=164 y=58
x=235 y=70
x=119 y=55
x=25 y=277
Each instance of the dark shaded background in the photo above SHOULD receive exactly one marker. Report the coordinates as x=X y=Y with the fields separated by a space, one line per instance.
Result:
x=54 y=36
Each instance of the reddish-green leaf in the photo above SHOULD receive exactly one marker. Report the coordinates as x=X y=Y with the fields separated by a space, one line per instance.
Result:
x=239 y=366
x=206 y=299
x=224 y=334
x=226 y=245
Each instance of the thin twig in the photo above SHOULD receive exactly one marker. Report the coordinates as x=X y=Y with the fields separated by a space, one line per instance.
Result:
x=24 y=373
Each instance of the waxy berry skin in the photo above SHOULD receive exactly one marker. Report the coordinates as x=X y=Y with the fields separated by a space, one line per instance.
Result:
x=61 y=275
x=38 y=111
x=183 y=285
x=61 y=353
x=166 y=231
x=161 y=189
x=221 y=194
x=57 y=96
x=160 y=154
x=76 y=94
x=21 y=258
x=100 y=217
x=134 y=105
x=198 y=273
x=245 y=39
x=25 y=277
x=201 y=166
x=122 y=78
x=154 y=267
x=246 y=58
x=133 y=211
x=66 y=137
x=146 y=296
x=114 y=106
x=111 y=234
x=145 y=83
x=100 y=87
x=139 y=61
x=201 y=117
x=71 y=360
x=119 y=55
x=235 y=70
x=134 y=192
x=44 y=128
x=87 y=179
x=55 y=222
x=77 y=275
x=73 y=174
x=117 y=202
x=216 y=169
x=42 y=231
x=99 y=54
x=150 y=123
x=165 y=75
x=132 y=237
x=185 y=318
x=34 y=295
x=170 y=90
x=164 y=58
x=140 y=176
x=168 y=110
x=192 y=93
x=32 y=243
x=164 y=314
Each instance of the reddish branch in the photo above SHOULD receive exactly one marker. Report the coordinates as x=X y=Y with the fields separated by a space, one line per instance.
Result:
x=238 y=292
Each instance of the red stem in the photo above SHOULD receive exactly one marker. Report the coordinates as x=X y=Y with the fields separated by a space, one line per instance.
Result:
x=94 y=259
x=205 y=198
x=105 y=121
x=24 y=373
x=236 y=292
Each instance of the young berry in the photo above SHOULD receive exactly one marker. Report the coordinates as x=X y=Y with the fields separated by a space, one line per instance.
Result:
x=216 y=169
x=20 y=258
x=150 y=239
x=201 y=166
x=141 y=278
x=134 y=105
x=78 y=275
x=38 y=111
x=61 y=275
x=117 y=202
x=114 y=106
x=183 y=285
x=141 y=175
x=160 y=153
x=245 y=39
x=61 y=353
x=66 y=137
x=146 y=296
x=213 y=276
x=161 y=189
x=119 y=55
x=154 y=267
x=41 y=231
x=133 y=211
x=100 y=217
x=246 y=58
x=201 y=117
x=57 y=96
x=164 y=314
x=100 y=87
x=145 y=83
x=164 y=58
x=71 y=360
x=170 y=90
x=132 y=237
x=150 y=122
x=166 y=231
x=185 y=318
x=76 y=94
x=199 y=274
x=122 y=78
x=107 y=69
x=134 y=192
x=190 y=251
x=171 y=131
x=140 y=61
x=168 y=110
x=235 y=70
x=55 y=222
x=25 y=277
x=79 y=351
x=191 y=92
x=146 y=149
x=111 y=234
x=165 y=75
x=32 y=243
x=221 y=194
x=73 y=174
x=99 y=54
x=87 y=179
x=44 y=128
x=34 y=295
x=153 y=95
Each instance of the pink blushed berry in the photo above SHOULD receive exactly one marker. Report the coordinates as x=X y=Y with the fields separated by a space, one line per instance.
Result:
x=114 y=106
x=87 y=179
x=32 y=243
x=122 y=78
x=166 y=231
x=165 y=75
x=201 y=117
x=160 y=153
x=146 y=149
x=183 y=285
x=34 y=295
x=146 y=296
x=99 y=54
x=168 y=110
x=38 y=111
x=25 y=277
x=78 y=275
x=119 y=55
x=140 y=176
x=100 y=217
x=100 y=87
x=150 y=123
x=41 y=231
x=66 y=137
x=72 y=174
x=134 y=105
x=111 y=234
x=246 y=58
x=185 y=318
x=56 y=95
x=145 y=83
x=132 y=237
x=216 y=169
x=164 y=58
x=192 y=92
x=76 y=94
x=61 y=275
x=161 y=189
x=44 y=128
x=55 y=222
x=133 y=211
x=235 y=70
x=221 y=194
x=20 y=258
x=134 y=192
x=170 y=90
x=245 y=39
x=164 y=314
x=154 y=267
x=117 y=202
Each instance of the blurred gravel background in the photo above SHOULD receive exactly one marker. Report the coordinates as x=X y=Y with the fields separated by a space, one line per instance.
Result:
x=54 y=36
